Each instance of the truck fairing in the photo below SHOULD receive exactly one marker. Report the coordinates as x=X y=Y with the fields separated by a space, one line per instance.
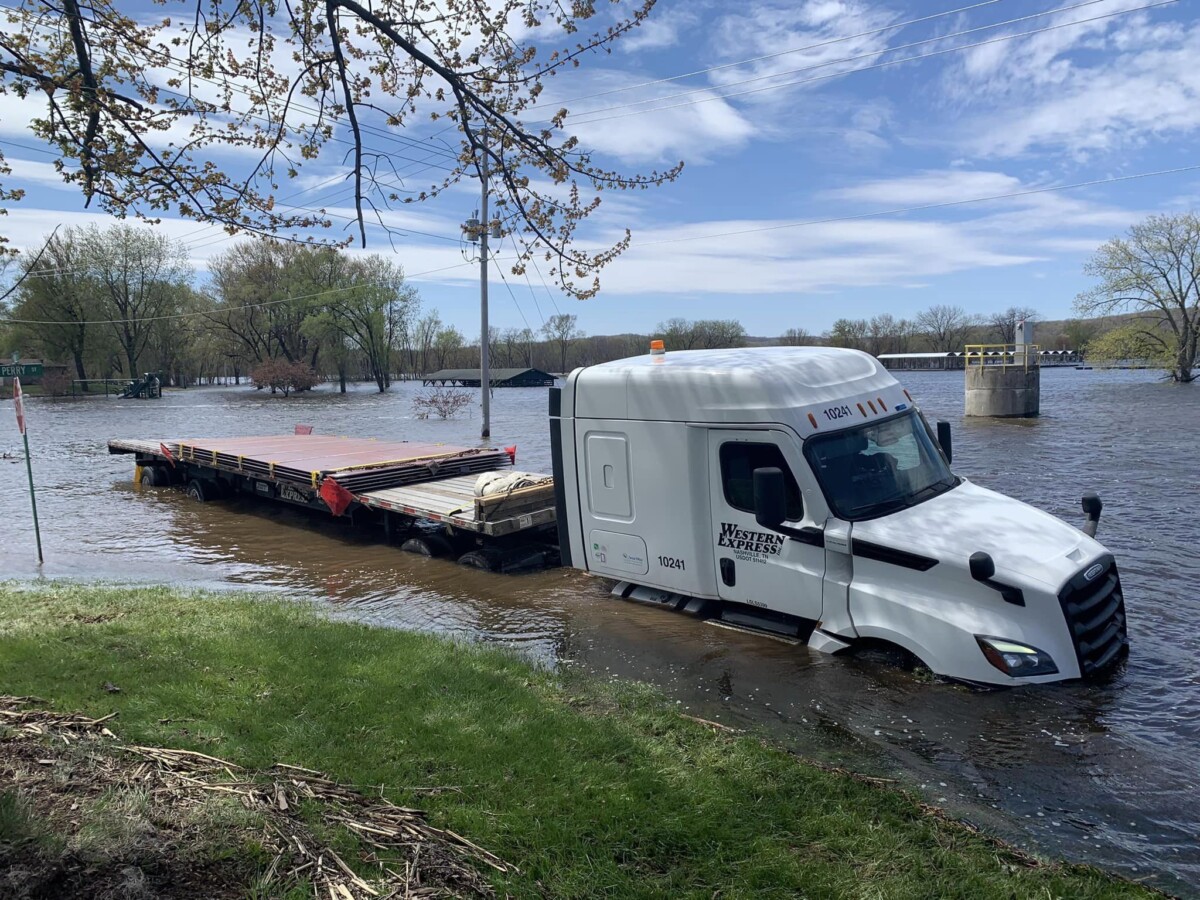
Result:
x=656 y=458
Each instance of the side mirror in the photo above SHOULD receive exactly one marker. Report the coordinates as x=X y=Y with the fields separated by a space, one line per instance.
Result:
x=945 y=439
x=770 y=503
x=1091 y=508
x=982 y=566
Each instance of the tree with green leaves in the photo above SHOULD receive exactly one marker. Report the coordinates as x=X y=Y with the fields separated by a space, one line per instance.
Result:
x=57 y=299
x=1155 y=272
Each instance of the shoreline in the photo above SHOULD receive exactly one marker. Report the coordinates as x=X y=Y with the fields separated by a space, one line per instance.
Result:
x=585 y=788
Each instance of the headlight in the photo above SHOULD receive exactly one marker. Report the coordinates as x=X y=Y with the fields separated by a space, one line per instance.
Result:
x=1016 y=660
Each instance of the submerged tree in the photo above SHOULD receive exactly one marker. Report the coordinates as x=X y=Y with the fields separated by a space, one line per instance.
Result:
x=1154 y=272
x=136 y=106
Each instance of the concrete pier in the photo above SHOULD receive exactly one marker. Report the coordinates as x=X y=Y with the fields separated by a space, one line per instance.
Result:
x=1003 y=391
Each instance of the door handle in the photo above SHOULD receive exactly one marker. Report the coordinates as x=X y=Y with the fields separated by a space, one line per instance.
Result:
x=728 y=574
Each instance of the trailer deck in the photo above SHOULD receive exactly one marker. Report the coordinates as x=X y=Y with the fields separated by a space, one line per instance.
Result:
x=414 y=483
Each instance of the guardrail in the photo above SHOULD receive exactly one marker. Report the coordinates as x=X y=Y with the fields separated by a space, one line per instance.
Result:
x=1006 y=356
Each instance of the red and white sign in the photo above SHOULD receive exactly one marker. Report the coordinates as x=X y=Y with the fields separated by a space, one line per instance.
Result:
x=19 y=403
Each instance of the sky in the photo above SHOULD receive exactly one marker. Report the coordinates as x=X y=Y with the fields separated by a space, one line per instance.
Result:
x=827 y=173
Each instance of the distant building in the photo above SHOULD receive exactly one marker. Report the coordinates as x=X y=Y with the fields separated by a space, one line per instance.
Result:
x=499 y=378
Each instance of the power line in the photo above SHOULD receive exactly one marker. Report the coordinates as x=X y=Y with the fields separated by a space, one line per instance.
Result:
x=754 y=59
x=846 y=59
x=228 y=309
x=924 y=207
x=886 y=63
x=181 y=66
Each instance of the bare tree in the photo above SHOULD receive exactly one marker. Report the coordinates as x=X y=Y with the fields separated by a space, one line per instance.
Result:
x=720 y=333
x=560 y=329
x=135 y=106
x=1155 y=272
x=1004 y=324
x=945 y=327
x=851 y=333
x=796 y=337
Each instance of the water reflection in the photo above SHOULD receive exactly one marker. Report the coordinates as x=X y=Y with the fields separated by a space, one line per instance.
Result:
x=1104 y=773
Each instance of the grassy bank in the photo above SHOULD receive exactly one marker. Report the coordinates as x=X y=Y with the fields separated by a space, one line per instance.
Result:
x=589 y=790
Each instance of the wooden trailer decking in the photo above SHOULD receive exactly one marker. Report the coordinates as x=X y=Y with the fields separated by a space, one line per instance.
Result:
x=420 y=482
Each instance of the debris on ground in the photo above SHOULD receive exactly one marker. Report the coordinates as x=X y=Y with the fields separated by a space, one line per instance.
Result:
x=153 y=807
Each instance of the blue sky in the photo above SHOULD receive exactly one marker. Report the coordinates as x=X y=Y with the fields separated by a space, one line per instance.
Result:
x=1087 y=101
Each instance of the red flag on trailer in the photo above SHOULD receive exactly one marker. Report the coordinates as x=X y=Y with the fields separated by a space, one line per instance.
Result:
x=336 y=497
x=19 y=403
x=166 y=451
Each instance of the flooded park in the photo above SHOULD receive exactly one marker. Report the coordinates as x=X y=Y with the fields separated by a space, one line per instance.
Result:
x=1099 y=773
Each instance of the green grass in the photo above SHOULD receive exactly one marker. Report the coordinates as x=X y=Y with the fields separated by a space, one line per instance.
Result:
x=591 y=790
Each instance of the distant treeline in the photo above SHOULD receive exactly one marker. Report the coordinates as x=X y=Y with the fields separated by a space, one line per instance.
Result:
x=120 y=301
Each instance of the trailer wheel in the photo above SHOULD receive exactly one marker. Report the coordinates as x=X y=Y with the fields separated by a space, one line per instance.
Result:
x=197 y=491
x=150 y=476
x=432 y=545
x=480 y=559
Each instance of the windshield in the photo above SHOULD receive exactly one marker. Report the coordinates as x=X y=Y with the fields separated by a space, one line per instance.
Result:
x=880 y=467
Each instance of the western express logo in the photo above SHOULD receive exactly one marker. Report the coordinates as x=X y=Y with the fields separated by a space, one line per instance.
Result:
x=763 y=543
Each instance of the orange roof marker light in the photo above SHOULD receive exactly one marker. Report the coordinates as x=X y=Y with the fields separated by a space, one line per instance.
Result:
x=812 y=419
x=907 y=394
x=657 y=348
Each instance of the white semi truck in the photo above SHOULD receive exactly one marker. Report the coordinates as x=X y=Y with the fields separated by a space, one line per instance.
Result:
x=801 y=490
x=797 y=490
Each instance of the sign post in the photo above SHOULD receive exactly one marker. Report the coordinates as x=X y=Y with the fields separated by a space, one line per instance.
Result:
x=19 y=403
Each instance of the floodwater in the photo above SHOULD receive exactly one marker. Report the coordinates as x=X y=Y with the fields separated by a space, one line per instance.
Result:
x=1108 y=774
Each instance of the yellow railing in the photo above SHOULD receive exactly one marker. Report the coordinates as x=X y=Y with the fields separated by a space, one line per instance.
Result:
x=1025 y=356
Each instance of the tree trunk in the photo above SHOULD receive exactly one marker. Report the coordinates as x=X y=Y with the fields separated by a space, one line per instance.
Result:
x=79 y=370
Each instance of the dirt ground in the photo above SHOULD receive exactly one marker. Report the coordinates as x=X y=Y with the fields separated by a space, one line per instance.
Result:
x=84 y=816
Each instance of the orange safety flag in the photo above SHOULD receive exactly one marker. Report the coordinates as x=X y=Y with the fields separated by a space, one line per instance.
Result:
x=336 y=497
x=512 y=453
x=166 y=451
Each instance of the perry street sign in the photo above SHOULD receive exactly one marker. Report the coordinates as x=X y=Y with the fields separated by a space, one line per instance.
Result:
x=26 y=370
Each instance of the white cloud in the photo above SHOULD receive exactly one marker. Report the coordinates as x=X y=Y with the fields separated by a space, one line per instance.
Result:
x=661 y=30
x=1045 y=93
x=697 y=132
x=30 y=172
x=943 y=186
x=800 y=260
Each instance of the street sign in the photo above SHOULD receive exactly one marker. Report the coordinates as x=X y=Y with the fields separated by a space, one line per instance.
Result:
x=22 y=370
x=19 y=403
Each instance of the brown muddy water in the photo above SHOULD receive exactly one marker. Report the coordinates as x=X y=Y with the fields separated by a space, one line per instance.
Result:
x=1107 y=774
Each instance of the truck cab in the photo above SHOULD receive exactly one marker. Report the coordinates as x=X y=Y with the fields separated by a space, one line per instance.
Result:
x=800 y=489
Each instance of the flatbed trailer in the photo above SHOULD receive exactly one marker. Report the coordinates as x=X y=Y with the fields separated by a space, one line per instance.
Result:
x=422 y=495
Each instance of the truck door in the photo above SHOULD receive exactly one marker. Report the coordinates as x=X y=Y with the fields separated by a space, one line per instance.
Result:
x=756 y=566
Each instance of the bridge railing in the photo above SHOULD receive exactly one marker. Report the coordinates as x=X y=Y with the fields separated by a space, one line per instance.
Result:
x=1025 y=356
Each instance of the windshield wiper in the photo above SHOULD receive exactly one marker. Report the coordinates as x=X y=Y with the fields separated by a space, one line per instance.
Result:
x=930 y=490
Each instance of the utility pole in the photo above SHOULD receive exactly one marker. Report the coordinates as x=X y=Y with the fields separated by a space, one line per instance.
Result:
x=485 y=369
